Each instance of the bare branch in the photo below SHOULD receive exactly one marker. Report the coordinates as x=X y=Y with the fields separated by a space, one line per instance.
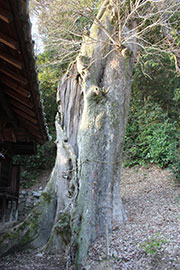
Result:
x=141 y=23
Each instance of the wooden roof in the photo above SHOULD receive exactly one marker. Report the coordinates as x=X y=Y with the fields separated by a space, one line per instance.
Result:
x=21 y=114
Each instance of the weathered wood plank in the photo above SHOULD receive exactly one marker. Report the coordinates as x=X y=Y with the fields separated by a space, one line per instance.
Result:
x=11 y=60
x=9 y=41
x=5 y=15
x=19 y=135
x=16 y=87
x=21 y=98
x=13 y=75
x=18 y=105
x=25 y=116
x=4 y=102
x=34 y=131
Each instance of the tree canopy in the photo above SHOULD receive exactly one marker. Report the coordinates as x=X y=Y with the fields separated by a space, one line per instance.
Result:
x=63 y=25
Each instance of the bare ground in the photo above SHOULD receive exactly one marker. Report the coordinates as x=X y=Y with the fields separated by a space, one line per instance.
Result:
x=149 y=240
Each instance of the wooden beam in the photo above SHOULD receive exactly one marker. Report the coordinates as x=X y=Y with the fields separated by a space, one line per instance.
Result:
x=20 y=135
x=26 y=147
x=17 y=77
x=22 y=107
x=29 y=126
x=9 y=135
x=11 y=60
x=34 y=131
x=16 y=87
x=5 y=15
x=22 y=99
x=7 y=109
x=13 y=44
x=25 y=116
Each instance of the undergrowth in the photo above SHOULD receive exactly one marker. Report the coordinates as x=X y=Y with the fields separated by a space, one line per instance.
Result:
x=153 y=129
x=153 y=244
x=33 y=165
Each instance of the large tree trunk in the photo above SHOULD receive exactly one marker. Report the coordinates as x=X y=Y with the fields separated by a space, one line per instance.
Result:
x=105 y=78
x=93 y=100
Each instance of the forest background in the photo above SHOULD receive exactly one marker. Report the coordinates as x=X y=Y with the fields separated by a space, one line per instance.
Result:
x=153 y=129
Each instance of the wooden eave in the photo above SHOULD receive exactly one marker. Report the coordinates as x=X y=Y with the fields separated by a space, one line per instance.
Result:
x=21 y=113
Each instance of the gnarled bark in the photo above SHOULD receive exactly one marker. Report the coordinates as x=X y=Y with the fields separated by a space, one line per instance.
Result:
x=35 y=230
x=93 y=100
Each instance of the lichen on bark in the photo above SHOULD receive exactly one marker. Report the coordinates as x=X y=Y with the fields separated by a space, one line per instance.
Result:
x=33 y=232
x=82 y=198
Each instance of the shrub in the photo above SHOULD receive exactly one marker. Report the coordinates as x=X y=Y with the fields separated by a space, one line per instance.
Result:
x=153 y=244
x=153 y=133
x=151 y=137
x=45 y=157
x=175 y=166
x=32 y=165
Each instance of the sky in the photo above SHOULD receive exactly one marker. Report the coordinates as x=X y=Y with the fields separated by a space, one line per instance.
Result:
x=38 y=47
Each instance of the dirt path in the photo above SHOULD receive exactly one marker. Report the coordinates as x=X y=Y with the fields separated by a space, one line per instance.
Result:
x=152 y=202
x=150 y=239
x=32 y=260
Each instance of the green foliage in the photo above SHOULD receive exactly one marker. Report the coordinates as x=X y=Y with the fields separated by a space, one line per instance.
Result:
x=32 y=165
x=45 y=157
x=151 y=136
x=42 y=160
x=153 y=130
x=153 y=244
x=156 y=80
x=47 y=197
x=49 y=76
x=175 y=167
x=28 y=178
x=62 y=227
